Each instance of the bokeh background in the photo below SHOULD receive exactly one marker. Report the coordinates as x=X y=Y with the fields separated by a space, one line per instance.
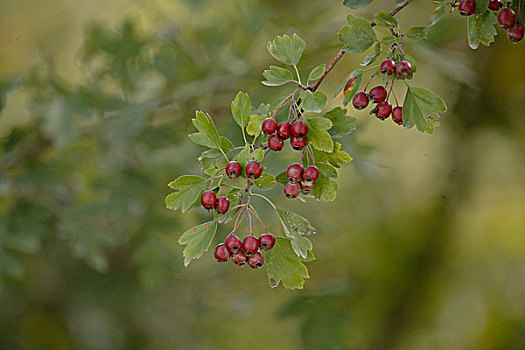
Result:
x=424 y=247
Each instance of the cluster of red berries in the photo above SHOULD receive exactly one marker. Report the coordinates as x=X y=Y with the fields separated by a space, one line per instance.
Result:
x=506 y=17
x=300 y=179
x=244 y=251
x=295 y=131
x=379 y=95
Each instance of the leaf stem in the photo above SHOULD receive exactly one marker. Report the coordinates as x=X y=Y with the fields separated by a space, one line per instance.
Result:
x=298 y=76
x=266 y=199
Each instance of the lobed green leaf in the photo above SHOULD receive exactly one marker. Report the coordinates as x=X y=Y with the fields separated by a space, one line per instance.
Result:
x=287 y=50
x=197 y=240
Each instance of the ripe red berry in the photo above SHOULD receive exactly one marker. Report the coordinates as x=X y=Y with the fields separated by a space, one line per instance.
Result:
x=253 y=170
x=298 y=143
x=307 y=186
x=208 y=199
x=256 y=261
x=515 y=34
x=250 y=245
x=360 y=100
x=378 y=94
x=275 y=143
x=495 y=5
x=403 y=69
x=294 y=173
x=269 y=126
x=311 y=174
x=222 y=205
x=266 y=241
x=283 y=130
x=233 y=244
x=383 y=110
x=233 y=169
x=388 y=67
x=507 y=18
x=397 y=115
x=299 y=128
x=467 y=7
x=239 y=258
x=291 y=190
x=221 y=253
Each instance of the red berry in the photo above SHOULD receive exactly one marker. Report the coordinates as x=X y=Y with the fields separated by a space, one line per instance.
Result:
x=250 y=245
x=467 y=7
x=283 y=130
x=307 y=186
x=275 y=143
x=397 y=115
x=233 y=169
x=221 y=253
x=294 y=173
x=253 y=170
x=298 y=143
x=311 y=174
x=360 y=100
x=378 y=94
x=515 y=34
x=291 y=190
x=388 y=67
x=239 y=258
x=507 y=18
x=222 y=205
x=299 y=128
x=208 y=199
x=256 y=261
x=383 y=110
x=403 y=69
x=233 y=244
x=266 y=241
x=495 y=5
x=269 y=126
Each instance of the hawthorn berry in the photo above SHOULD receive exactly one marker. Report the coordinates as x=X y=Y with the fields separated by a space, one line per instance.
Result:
x=283 y=130
x=294 y=173
x=233 y=169
x=291 y=190
x=269 y=126
x=239 y=258
x=360 y=100
x=233 y=243
x=311 y=174
x=298 y=143
x=507 y=18
x=275 y=143
x=403 y=69
x=495 y=5
x=299 y=128
x=253 y=170
x=221 y=253
x=307 y=186
x=250 y=245
x=388 y=67
x=266 y=241
x=467 y=7
x=383 y=110
x=256 y=261
x=397 y=115
x=515 y=33
x=378 y=94
x=208 y=199
x=222 y=205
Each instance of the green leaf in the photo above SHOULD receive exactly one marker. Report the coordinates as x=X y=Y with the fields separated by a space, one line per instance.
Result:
x=421 y=108
x=276 y=76
x=385 y=19
x=246 y=155
x=295 y=227
x=388 y=40
x=287 y=50
x=207 y=135
x=357 y=4
x=349 y=86
x=316 y=73
x=325 y=188
x=336 y=157
x=417 y=33
x=358 y=36
x=438 y=14
x=197 y=240
x=265 y=181
x=189 y=189
x=371 y=57
x=314 y=101
x=326 y=170
x=341 y=123
x=282 y=178
x=400 y=2
x=185 y=182
x=241 y=109
x=481 y=30
x=283 y=265
x=318 y=134
x=254 y=127
x=481 y=7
